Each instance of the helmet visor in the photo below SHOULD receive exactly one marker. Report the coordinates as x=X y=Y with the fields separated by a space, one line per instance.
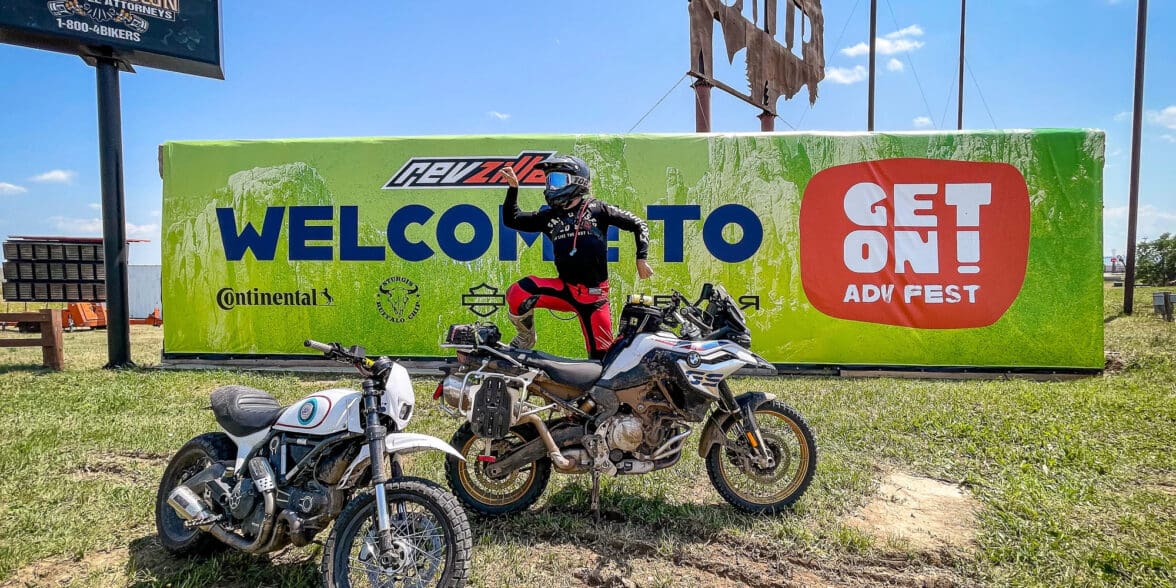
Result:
x=558 y=180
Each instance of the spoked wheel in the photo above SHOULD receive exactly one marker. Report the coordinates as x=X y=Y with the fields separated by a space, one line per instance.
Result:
x=191 y=459
x=488 y=495
x=765 y=487
x=431 y=539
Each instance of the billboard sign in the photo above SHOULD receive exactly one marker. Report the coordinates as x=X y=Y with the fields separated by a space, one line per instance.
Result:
x=176 y=35
x=912 y=249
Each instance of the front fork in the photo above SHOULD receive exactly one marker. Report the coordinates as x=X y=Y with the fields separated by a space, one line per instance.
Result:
x=748 y=426
x=375 y=433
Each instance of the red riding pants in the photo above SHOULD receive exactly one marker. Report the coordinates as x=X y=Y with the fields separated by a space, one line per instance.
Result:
x=589 y=303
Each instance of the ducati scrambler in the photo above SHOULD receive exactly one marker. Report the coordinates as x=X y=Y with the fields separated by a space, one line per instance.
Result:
x=629 y=414
x=279 y=475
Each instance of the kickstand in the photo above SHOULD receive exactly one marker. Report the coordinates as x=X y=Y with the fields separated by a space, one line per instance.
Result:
x=596 y=495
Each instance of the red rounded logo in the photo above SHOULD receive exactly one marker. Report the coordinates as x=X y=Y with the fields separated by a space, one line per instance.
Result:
x=924 y=243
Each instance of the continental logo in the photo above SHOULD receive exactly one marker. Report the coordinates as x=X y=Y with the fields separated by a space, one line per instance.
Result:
x=467 y=172
x=228 y=298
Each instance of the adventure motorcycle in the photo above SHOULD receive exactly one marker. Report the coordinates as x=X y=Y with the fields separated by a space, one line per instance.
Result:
x=280 y=475
x=627 y=414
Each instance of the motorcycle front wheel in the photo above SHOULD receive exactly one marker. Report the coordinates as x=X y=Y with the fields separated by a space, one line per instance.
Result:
x=430 y=533
x=757 y=489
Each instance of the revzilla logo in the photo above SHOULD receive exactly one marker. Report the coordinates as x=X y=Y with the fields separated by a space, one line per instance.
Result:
x=467 y=172
x=228 y=298
x=922 y=243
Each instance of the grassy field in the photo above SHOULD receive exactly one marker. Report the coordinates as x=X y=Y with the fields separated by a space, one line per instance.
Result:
x=1075 y=482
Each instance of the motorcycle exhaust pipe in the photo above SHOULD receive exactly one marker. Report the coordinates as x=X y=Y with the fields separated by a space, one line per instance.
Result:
x=187 y=504
x=452 y=393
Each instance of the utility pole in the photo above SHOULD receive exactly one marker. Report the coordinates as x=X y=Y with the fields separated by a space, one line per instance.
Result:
x=1136 y=132
x=873 y=47
x=960 y=111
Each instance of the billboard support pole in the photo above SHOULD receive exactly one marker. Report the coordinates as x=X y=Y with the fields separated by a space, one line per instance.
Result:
x=767 y=122
x=702 y=96
x=1136 y=131
x=114 y=227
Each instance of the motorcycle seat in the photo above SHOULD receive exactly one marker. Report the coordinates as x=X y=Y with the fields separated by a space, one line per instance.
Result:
x=242 y=410
x=577 y=373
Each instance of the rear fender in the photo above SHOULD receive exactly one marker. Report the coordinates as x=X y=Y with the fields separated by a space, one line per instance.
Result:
x=395 y=443
x=712 y=432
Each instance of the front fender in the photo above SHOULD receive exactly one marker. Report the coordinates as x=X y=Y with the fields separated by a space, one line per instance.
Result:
x=712 y=433
x=395 y=443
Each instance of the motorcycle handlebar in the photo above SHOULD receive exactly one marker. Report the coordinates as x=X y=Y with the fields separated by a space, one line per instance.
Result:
x=323 y=347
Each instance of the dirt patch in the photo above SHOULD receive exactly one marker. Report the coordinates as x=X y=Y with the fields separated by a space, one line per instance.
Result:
x=929 y=515
x=129 y=467
x=65 y=571
x=1162 y=488
x=1114 y=362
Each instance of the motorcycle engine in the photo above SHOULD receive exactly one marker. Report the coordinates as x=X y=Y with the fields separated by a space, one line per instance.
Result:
x=623 y=432
x=245 y=507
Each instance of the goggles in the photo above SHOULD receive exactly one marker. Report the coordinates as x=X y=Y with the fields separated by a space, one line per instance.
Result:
x=560 y=180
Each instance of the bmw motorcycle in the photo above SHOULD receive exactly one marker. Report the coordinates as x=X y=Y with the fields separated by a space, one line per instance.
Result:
x=280 y=475
x=630 y=413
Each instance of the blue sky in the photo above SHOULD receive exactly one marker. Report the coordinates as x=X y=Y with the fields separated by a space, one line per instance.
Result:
x=380 y=68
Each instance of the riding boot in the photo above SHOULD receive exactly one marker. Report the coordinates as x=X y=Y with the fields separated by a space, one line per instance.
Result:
x=525 y=328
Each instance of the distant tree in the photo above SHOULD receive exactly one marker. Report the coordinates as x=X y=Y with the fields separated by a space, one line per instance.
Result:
x=1155 y=261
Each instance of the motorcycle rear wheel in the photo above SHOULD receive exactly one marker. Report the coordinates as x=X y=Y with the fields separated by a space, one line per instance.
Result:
x=771 y=490
x=193 y=457
x=430 y=530
x=488 y=496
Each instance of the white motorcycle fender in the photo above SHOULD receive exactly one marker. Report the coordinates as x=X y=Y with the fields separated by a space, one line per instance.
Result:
x=395 y=443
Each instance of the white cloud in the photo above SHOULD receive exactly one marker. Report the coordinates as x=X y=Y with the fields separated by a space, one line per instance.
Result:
x=1122 y=116
x=498 y=115
x=911 y=31
x=142 y=231
x=93 y=226
x=1168 y=137
x=1151 y=223
x=56 y=176
x=1165 y=117
x=893 y=43
x=841 y=75
x=155 y=214
x=77 y=225
x=95 y=206
x=894 y=65
x=8 y=189
x=921 y=122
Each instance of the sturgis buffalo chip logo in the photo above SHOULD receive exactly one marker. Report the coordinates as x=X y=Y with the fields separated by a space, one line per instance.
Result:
x=399 y=299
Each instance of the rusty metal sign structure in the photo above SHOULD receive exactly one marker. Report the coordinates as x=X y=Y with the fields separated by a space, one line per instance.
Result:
x=774 y=69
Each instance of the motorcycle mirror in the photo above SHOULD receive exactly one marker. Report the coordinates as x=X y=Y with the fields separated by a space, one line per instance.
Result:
x=357 y=351
x=707 y=290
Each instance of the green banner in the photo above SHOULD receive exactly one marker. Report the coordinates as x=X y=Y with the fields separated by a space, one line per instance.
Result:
x=914 y=249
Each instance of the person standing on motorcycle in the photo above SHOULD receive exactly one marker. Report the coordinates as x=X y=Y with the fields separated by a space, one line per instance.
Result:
x=577 y=225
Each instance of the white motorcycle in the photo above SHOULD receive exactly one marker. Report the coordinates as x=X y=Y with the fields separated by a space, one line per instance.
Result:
x=280 y=475
x=628 y=414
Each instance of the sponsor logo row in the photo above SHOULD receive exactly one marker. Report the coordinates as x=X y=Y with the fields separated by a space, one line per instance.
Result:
x=397 y=299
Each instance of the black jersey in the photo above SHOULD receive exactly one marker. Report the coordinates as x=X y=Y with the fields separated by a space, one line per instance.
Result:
x=579 y=235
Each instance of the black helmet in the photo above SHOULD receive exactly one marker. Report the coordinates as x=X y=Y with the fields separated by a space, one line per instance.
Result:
x=567 y=178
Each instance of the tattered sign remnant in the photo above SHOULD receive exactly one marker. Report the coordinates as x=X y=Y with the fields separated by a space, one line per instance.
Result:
x=773 y=68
